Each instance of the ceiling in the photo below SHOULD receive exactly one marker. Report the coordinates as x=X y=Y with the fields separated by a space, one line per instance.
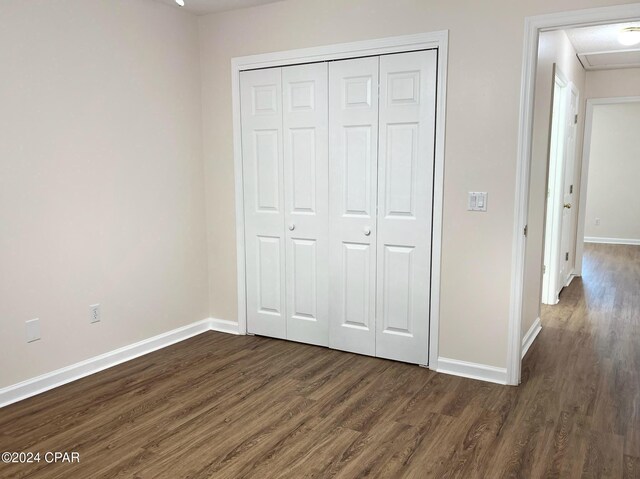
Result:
x=598 y=47
x=202 y=7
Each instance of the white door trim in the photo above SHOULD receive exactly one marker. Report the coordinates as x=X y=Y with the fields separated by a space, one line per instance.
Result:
x=405 y=43
x=584 y=176
x=533 y=26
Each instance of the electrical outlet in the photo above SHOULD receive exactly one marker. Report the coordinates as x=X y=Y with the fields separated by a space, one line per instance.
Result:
x=94 y=313
x=33 y=330
x=597 y=221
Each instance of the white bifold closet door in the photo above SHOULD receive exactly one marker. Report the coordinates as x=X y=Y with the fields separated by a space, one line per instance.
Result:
x=262 y=156
x=381 y=181
x=306 y=201
x=405 y=204
x=284 y=143
x=353 y=137
x=338 y=184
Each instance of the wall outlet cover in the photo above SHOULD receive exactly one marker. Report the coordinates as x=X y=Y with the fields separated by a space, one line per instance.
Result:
x=94 y=313
x=33 y=330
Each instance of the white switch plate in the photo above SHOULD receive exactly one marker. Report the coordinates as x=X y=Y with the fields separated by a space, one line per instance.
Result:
x=94 y=313
x=477 y=201
x=33 y=330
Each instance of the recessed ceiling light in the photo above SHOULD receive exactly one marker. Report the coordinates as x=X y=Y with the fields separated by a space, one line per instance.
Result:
x=180 y=2
x=629 y=36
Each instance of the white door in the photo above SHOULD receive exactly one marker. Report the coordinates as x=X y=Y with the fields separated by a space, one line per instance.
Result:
x=262 y=156
x=353 y=139
x=405 y=198
x=567 y=250
x=552 y=248
x=306 y=201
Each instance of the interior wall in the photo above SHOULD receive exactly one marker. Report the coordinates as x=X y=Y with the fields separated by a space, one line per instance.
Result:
x=485 y=61
x=613 y=83
x=101 y=178
x=614 y=169
x=554 y=48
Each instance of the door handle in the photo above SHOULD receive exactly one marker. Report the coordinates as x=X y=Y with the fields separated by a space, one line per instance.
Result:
x=292 y=227
x=567 y=205
x=367 y=231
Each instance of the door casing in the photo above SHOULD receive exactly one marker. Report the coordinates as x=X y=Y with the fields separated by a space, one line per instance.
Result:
x=533 y=26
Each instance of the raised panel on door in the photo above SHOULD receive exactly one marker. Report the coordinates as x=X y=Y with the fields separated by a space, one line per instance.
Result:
x=405 y=197
x=353 y=158
x=262 y=162
x=305 y=132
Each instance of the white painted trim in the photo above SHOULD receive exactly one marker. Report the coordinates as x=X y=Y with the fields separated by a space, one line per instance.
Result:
x=481 y=372
x=422 y=41
x=584 y=171
x=224 y=326
x=533 y=27
x=597 y=239
x=531 y=335
x=31 y=387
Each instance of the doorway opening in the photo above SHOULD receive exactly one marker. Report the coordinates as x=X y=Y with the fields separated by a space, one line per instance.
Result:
x=535 y=202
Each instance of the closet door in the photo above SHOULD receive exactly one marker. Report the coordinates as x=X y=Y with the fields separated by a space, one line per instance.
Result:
x=353 y=136
x=405 y=200
x=306 y=201
x=261 y=110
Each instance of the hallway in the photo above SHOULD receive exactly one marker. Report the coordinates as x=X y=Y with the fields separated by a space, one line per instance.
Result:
x=586 y=362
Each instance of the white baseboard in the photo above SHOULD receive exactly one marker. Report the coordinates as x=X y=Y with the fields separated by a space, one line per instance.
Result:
x=531 y=335
x=481 y=372
x=570 y=278
x=31 y=387
x=597 y=239
x=224 y=326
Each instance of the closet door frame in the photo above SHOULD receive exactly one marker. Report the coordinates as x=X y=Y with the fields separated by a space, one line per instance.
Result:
x=401 y=44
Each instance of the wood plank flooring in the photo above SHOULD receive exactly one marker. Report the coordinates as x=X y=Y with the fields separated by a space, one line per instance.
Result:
x=225 y=406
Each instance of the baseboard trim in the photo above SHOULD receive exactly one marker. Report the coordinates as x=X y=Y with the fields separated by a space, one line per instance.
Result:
x=32 y=387
x=570 y=278
x=224 y=326
x=597 y=239
x=531 y=336
x=465 y=369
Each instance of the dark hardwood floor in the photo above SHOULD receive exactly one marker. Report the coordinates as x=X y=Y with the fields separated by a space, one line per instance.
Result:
x=240 y=406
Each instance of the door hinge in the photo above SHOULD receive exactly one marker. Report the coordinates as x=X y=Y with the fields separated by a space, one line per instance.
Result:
x=575 y=120
x=526 y=229
x=571 y=189
x=566 y=256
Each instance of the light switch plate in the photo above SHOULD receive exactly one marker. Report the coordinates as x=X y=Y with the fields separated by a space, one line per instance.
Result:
x=33 y=330
x=477 y=201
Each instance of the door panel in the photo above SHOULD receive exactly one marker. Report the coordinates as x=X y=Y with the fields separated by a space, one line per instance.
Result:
x=353 y=133
x=260 y=97
x=305 y=123
x=567 y=240
x=405 y=197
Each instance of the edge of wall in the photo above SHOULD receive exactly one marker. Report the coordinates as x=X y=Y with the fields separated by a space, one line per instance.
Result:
x=478 y=371
x=45 y=382
x=597 y=239
x=531 y=336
